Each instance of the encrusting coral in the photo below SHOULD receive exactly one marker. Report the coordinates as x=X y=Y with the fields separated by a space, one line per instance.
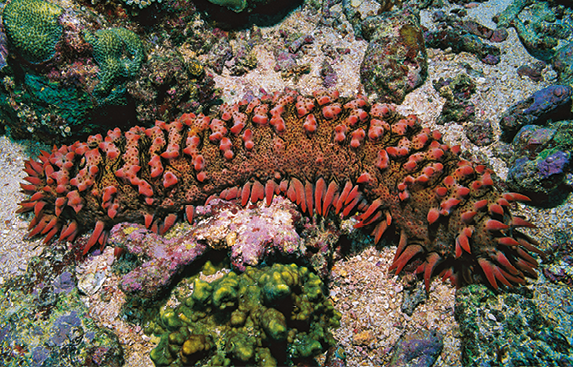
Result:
x=327 y=154
x=263 y=317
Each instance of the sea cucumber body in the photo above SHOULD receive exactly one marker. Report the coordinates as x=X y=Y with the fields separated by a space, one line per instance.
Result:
x=327 y=154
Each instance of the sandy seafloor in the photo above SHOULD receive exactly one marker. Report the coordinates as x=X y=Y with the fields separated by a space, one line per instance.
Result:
x=362 y=290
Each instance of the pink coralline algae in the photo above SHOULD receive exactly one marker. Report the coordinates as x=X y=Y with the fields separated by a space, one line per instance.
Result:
x=249 y=235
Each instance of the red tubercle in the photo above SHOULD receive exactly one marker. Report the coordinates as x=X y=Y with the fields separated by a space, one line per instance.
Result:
x=310 y=124
x=169 y=179
x=201 y=176
x=383 y=161
x=332 y=111
x=357 y=137
x=340 y=133
x=375 y=132
x=400 y=127
x=278 y=123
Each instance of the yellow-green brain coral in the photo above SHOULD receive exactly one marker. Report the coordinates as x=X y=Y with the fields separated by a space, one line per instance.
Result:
x=33 y=28
x=272 y=316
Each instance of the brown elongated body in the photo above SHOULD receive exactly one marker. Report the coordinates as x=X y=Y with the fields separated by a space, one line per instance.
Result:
x=327 y=154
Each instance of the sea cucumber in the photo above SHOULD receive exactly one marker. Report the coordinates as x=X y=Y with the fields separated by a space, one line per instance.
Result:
x=326 y=153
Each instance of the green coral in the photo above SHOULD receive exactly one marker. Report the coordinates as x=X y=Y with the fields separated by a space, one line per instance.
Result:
x=33 y=29
x=272 y=316
x=235 y=5
x=119 y=54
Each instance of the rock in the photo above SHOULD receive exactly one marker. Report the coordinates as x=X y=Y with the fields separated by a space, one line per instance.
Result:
x=335 y=357
x=540 y=25
x=248 y=235
x=532 y=71
x=516 y=327
x=560 y=269
x=553 y=102
x=563 y=64
x=457 y=93
x=540 y=178
x=395 y=62
x=413 y=298
x=464 y=36
x=420 y=348
x=540 y=161
x=90 y=283
x=480 y=132
x=532 y=140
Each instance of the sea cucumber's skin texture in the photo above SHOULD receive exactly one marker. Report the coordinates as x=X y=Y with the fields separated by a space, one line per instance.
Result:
x=327 y=154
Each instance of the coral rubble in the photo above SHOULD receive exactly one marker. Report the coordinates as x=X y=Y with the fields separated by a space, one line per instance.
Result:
x=251 y=237
x=514 y=328
x=43 y=321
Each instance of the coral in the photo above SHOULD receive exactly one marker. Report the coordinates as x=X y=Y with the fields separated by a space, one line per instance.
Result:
x=268 y=317
x=140 y=3
x=119 y=54
x=43 y=321
x=250 y=236
x=327 y=154
x=3 y=48
x=553 y=102
x=32 y=27
x=395 y=62
x=59 y=109
x=243 y=6
x=527 y=328
x=235 y=5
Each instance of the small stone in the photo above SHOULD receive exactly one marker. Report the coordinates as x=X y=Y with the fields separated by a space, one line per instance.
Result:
x=365 y=337
x=90 y=283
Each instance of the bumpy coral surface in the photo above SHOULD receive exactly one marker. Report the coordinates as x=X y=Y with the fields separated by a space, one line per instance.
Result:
x=275 y=316
x=32 y=27
x=118 y=52
x=327 y=154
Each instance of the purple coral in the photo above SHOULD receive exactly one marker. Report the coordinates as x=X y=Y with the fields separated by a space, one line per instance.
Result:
x=249 y=235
